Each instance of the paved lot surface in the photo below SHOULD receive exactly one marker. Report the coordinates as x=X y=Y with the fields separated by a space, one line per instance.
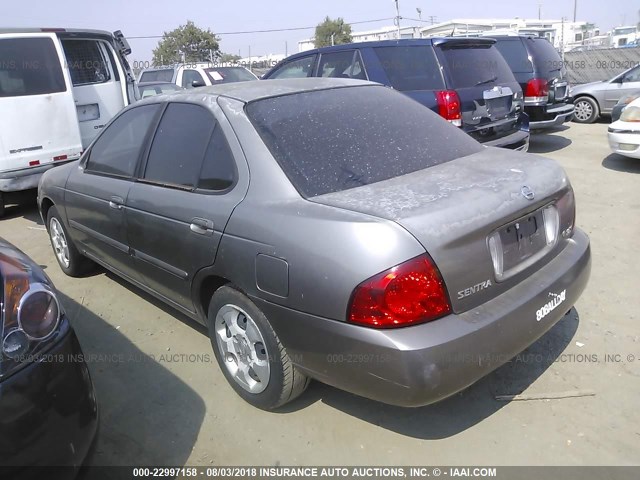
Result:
x=178 y=409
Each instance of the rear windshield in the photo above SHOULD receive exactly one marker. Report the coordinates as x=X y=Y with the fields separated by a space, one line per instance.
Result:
x=29 y=66
x=229 y=74
x=475 y=66
x=515 y=54
x=332 y=140
x=157 y=76
x=544 y=55
x=411 y=68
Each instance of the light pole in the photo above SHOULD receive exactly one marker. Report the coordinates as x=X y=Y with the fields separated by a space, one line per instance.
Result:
x=398 y=18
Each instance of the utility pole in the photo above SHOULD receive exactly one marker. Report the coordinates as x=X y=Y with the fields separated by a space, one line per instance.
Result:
x=419 y=10
x=575 y=10
x=333 y=36
x=539 y=11
x=286 y=49
x=397 y=21
x=433 y=19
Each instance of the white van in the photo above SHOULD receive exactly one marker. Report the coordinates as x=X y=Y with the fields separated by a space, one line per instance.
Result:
x=58 y=89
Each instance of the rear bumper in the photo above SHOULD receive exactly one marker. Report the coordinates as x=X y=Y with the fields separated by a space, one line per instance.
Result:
x=48 y=414
x=516 y=141
x=553 y=116
x=426 y=363
x=25 y=178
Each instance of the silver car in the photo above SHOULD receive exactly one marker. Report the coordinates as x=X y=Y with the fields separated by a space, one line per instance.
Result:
x=598 y=98
x=328 y=229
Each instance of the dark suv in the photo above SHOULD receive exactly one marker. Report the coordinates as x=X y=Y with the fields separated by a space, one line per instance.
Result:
x=465 y=80
x=539 y=69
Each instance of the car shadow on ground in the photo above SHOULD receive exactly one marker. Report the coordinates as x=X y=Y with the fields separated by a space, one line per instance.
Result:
x=547 y=141
x=148 y=416
x=465 y=409
x=620 y=163
x=23 y=205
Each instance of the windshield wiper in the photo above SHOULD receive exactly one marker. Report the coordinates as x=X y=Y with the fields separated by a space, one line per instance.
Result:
x=489 y=80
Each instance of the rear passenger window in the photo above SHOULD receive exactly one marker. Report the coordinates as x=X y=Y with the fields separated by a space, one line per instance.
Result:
x=218 y=168
x=341 y=65
x=179 y=145
x=29 y=66
x=411 y=68
x=87 y=62
x=117 y=149
x=300 y=68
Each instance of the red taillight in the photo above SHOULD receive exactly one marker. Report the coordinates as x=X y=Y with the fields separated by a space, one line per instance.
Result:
x=449 y=106
x=60 y=157
x=411 y=293
x=537 y=91
x=34 y=163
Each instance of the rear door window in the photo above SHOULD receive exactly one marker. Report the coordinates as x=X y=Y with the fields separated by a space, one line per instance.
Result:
x=87 y=62
x=118 y=148
x=515 y=55
x=179 y=145
x=300 y=68
x=344 y=64
x=332 y=140
x=218 y=169
x=475 y=66
x=411 y=68
x=29 y=66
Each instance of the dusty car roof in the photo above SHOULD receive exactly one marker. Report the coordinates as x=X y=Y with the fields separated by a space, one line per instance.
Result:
x=259 y=89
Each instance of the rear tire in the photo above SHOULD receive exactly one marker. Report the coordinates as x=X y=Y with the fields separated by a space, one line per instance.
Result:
x=249 y=352
x=586 y=111
x=71 y=261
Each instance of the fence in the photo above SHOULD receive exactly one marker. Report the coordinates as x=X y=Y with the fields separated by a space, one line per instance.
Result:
x=594 y=65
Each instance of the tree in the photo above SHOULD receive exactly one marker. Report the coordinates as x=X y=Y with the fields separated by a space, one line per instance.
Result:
x=186 y=43
x=340 y=31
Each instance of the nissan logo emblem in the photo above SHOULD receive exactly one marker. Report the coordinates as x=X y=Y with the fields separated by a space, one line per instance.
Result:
x=527 y=193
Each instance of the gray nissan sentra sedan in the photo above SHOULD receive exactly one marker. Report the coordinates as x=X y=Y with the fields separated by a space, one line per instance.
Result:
x=326 y=229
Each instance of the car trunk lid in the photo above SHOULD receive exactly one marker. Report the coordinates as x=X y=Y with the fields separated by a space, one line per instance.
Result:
x=453 y=208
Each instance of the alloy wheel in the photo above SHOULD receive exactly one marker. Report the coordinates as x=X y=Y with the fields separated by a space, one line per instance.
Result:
x=243 y=348
x=59 y=242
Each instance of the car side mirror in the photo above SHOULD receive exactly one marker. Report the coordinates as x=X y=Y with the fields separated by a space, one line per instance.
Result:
x=197 y=83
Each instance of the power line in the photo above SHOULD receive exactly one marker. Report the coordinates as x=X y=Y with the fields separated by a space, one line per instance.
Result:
x=266 y=31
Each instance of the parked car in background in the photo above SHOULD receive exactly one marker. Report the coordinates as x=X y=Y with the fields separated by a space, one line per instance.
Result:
x=624 y=134
x=48 y=408
x=149 y=89
x=465 y=80
x=622 y=103
x=540 y=71
x=598 y=98
x=308 y=222
x=58 y=89
x=196 y=75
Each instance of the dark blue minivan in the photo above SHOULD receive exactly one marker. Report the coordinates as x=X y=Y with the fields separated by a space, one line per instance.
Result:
x=465 y=80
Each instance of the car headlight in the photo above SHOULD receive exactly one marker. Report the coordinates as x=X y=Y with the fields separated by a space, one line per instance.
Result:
x=630 y=114
x=31 y=315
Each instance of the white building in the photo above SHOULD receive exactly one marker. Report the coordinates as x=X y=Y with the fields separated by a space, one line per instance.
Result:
x=621 y=36
x=385 y=33
x=563 y=35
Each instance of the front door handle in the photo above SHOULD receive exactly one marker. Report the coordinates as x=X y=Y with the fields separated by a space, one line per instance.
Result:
x=116 y=202
x=201 y=226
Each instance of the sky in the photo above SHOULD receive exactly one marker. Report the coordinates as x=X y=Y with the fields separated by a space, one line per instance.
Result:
x=148 y=18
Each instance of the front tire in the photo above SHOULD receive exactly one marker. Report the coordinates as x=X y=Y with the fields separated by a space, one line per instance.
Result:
x=586 y=111
x=249 y=353
x=71 y=261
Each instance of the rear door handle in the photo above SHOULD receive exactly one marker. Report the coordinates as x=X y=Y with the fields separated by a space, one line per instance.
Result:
x=116 y=202
x=201 y=226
